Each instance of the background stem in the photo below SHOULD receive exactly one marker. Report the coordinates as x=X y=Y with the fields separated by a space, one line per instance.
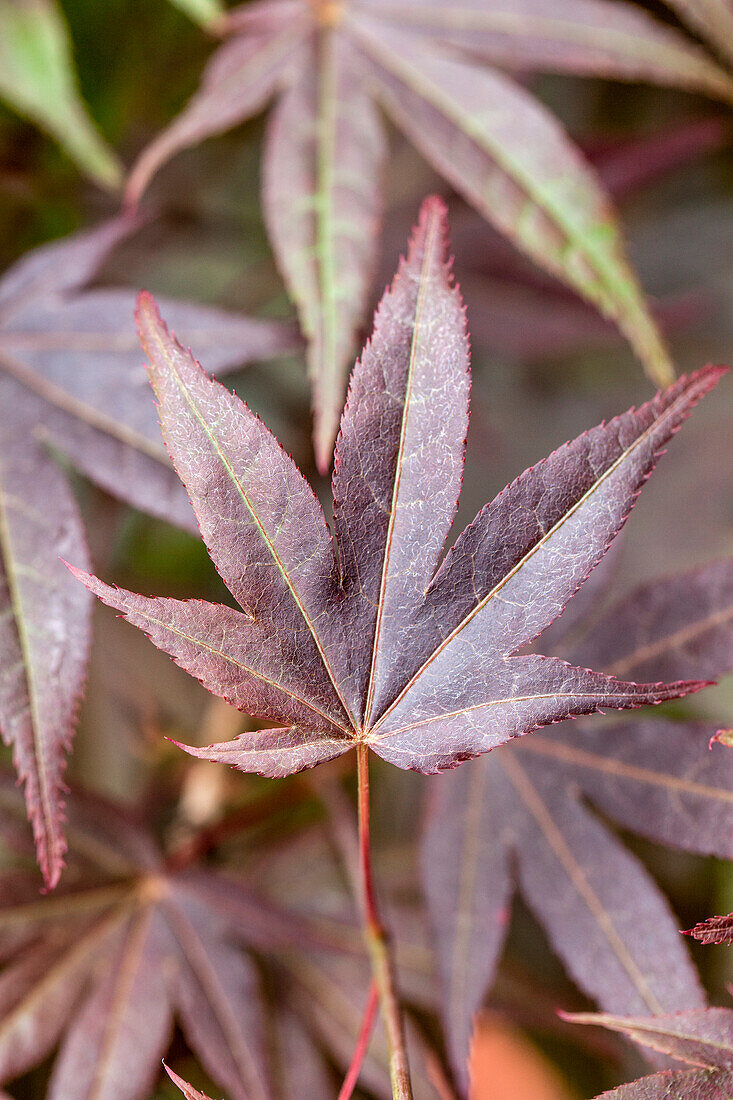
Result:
x=377 y=941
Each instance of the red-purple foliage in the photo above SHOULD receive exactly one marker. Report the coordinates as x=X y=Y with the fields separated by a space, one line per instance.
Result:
x=701 y=1038
x=713 y=930
x=446 y=80
x=367 y=637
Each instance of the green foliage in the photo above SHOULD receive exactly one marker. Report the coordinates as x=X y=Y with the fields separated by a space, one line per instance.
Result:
x=38 y=79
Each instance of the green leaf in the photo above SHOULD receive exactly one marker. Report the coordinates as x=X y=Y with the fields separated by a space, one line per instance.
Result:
x=204 y=12
x=38 y=80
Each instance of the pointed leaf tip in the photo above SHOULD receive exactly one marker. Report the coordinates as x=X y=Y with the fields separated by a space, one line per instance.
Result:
x=147 y=313
x=188 y=1090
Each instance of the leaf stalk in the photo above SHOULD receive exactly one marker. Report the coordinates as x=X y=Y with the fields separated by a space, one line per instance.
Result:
x=378 y=945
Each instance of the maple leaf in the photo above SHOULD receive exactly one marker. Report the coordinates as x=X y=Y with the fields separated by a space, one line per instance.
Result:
x=371 y=645
x=490 y=138
x=713 y=930
x=684 y=621
x=44 y=624
x=105 y=965
x=69 y=350
x=602 y=912
x=702 y=1038
x=502 y=288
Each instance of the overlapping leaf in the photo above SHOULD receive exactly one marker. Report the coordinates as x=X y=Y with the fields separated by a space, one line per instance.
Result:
x=701 y=1038
x=664 y=626
x=438 y=75
x=374 y=646
x=38 y=79
x=102 y=968
x=69 y=350
x=523 y=806
x=44 y=621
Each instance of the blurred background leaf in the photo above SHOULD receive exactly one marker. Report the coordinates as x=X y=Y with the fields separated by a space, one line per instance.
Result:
x=38 y=79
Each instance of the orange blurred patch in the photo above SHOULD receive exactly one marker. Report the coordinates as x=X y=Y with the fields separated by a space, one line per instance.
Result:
x=505 y=1065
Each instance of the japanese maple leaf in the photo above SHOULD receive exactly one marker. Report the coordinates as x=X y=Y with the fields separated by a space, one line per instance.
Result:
x=438 y=74
x=103 y=968
x=521 y=817
x=70 y=377
x=701 y=1038
x=502 y=288
x=66 y=350
x=713 y=930
x=44 y=624
x=359 y=639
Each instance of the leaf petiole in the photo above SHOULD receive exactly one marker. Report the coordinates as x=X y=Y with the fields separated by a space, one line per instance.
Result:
x=377 y=941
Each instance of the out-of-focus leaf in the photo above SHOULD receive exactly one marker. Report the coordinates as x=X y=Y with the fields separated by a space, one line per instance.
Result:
x=713 y=19
x=684 y=621
x=562 y=324
x=74 y=350
x=242 y=76
x=651 y=777
x=586 y=37
x=489 y=137
x=502 y=288
x=602 y=912
x=113 y=1045
x=105 y=965
x=373 y=646
x=517 y=167
x=627 y=166
x=205 y=12
x=468 y=887
x=329 y=993
x=703 y=1038
x=44 y=625
x=38 y=80
x=326 y=147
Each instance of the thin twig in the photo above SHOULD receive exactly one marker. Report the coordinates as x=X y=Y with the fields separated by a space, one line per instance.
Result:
x=362 y=1043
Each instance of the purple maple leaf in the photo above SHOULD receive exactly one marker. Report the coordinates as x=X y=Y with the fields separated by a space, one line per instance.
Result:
x=365 y=636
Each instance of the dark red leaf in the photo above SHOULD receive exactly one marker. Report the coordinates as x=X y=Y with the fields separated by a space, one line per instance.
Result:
x=442 y=77
x=713 y=930
x=357 y=639
x=662 y=627
x=702 y=1038
x=44 y=625
x=104 y=966
x=73 y=351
